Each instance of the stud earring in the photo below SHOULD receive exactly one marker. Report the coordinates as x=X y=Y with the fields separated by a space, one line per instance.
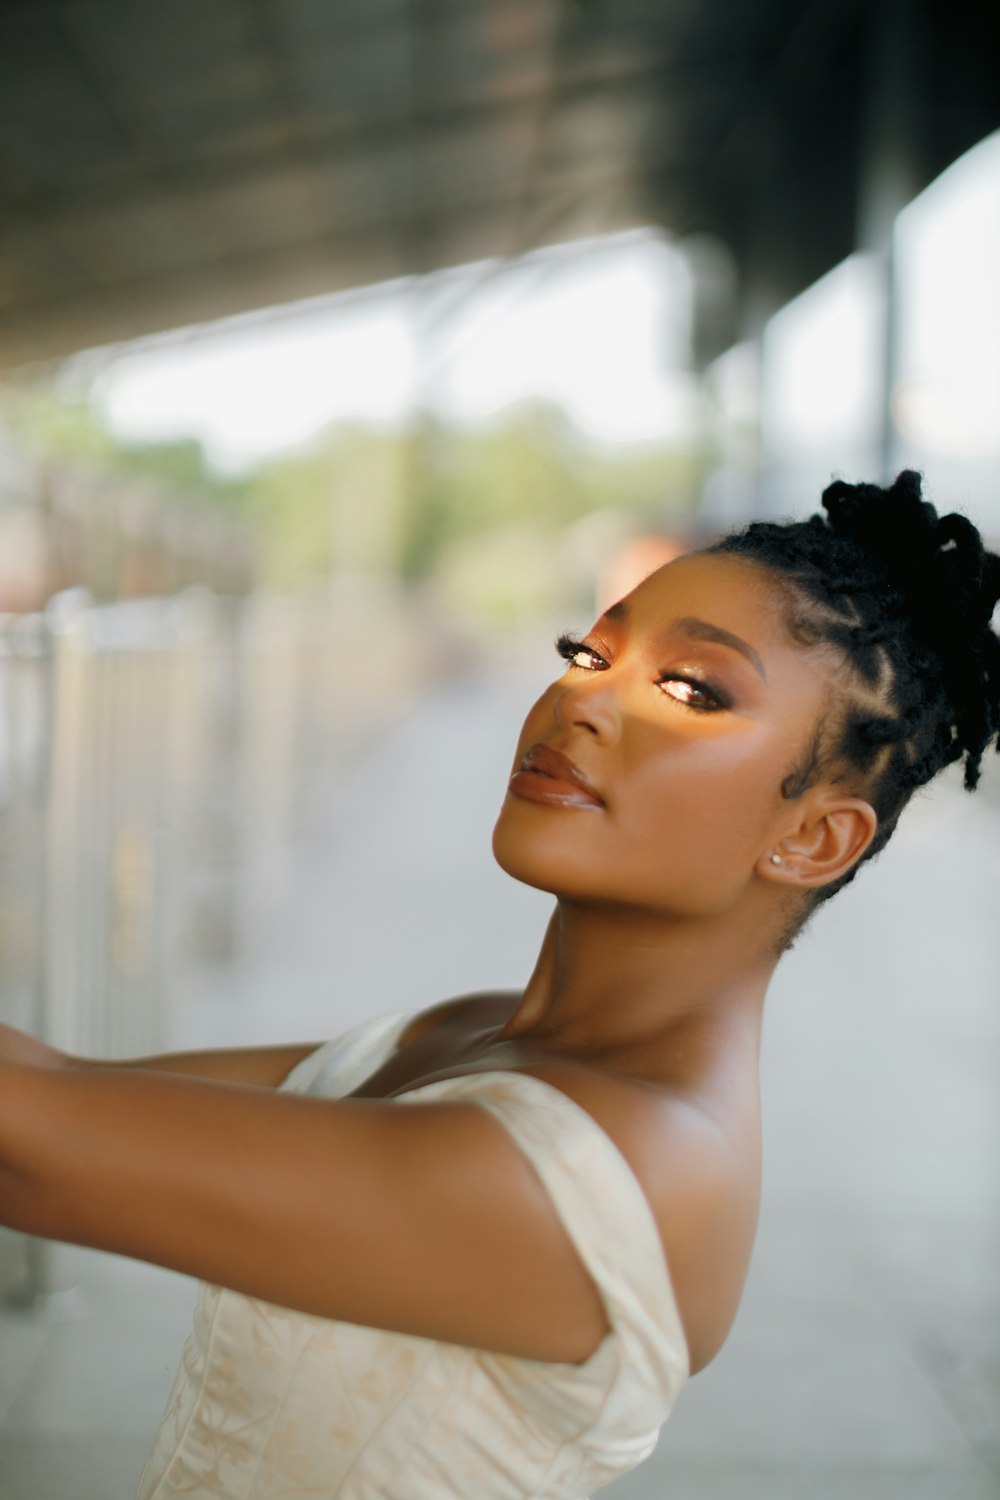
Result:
x=776 y=859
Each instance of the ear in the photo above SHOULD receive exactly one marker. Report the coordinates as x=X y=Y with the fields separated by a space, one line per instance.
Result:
x=831 y=836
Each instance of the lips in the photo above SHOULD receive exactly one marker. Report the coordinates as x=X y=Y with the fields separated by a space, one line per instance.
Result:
x=546 y=775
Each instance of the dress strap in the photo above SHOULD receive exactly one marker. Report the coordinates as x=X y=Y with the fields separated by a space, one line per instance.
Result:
x=602 y=1206
x=340 y=1065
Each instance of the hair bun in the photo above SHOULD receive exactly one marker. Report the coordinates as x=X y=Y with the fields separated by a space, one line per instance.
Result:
x=943 y=585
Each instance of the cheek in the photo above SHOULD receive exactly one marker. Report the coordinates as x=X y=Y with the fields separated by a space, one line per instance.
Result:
x=704 y=809
x=690 y=807
x=678 y=836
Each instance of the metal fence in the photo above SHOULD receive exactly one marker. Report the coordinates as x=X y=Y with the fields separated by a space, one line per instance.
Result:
x=157 y=760
x=155 y=756
x=102 y=731
x=102 y=715
x=25 y=705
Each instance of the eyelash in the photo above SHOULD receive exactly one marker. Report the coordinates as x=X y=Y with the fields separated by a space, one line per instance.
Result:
x=569 y=645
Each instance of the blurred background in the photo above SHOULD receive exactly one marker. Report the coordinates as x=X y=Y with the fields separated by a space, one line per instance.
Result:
x=350 y=349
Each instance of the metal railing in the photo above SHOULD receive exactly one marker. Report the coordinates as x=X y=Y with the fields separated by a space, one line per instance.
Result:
x=101 y=737
x=25 y=735
x=156 y=763
x=128 y=700
x=102 y=713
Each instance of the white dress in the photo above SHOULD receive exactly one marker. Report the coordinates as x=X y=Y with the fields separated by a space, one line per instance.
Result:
x=270 y=1404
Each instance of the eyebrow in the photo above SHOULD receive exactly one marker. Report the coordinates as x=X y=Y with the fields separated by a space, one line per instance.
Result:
x=699 y=630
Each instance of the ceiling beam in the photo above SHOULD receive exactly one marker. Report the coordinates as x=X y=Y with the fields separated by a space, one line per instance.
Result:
x=51 y=328
x=147 y=177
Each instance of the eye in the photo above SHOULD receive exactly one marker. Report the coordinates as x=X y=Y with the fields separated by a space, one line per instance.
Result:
x=700 y=697
x=576 y=654
x=694 y=694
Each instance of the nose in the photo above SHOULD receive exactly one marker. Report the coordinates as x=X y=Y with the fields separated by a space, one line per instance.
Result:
x=587 y=702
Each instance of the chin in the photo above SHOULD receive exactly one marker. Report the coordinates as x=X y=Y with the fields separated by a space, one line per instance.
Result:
x=546 y=855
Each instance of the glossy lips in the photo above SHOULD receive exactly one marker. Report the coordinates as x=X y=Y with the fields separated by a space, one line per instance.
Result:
x=546 y=775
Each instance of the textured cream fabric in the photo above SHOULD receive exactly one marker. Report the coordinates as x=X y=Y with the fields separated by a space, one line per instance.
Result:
x=270 y=1404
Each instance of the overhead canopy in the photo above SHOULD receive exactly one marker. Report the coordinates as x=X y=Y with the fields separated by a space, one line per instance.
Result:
x=166 y=163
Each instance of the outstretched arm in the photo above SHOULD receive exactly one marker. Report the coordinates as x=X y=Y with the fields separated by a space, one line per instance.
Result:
x=423 y=1218
x=264 y=1066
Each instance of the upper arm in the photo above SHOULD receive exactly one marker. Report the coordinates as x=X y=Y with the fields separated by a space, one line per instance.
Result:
x=266 y=1067
x=425 y=1219
x=454 y=1237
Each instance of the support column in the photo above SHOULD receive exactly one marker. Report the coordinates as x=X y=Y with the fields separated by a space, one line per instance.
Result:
x=889 y=175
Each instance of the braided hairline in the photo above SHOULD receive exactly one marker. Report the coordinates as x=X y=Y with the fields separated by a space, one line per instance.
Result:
x=887 y=729
x=900 y=600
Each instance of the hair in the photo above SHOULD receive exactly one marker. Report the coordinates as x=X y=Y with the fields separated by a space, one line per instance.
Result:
x=905 y=598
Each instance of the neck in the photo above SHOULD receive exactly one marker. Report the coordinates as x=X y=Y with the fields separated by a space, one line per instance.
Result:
x=625 y=986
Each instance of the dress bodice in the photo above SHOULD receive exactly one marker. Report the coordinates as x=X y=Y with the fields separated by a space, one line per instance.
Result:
x=271 y=1403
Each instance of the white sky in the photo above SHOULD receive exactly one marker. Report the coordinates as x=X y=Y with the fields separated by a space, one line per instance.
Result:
x=598 y=327
x=601 y=327
x=949 y=393
x=824 y=355
x=824 y=348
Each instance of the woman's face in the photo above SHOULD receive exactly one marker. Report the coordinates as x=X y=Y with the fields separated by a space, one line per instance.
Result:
x=684 y=708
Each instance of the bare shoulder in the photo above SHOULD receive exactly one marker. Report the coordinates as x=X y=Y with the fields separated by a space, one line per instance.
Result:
x=702 y=1187
x=702 y=1182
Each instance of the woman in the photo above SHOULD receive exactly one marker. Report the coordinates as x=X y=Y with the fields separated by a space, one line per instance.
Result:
x=499 y=1291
